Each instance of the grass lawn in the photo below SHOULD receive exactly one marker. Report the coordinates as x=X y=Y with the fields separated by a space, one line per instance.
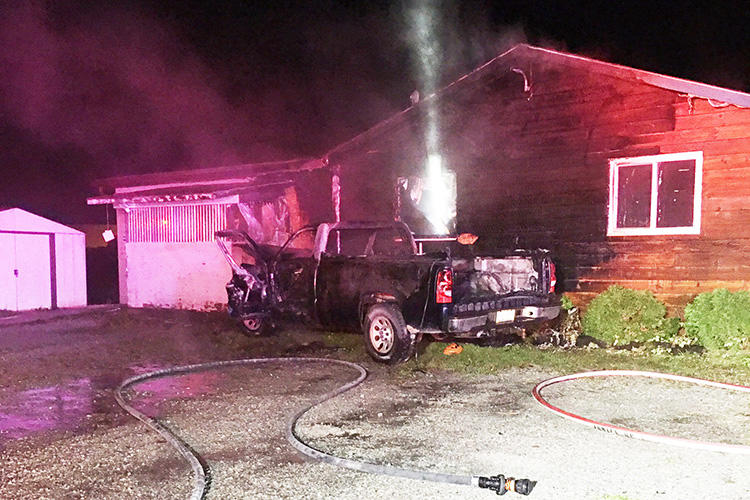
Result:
x=722 y=366
x=731 y=366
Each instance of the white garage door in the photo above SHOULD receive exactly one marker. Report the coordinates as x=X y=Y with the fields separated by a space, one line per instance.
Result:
x=25 y=277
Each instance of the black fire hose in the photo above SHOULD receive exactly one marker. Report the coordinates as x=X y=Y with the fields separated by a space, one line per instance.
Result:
x=202 y=472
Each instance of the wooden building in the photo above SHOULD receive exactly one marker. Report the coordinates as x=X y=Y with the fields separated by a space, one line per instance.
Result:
x=629 y=177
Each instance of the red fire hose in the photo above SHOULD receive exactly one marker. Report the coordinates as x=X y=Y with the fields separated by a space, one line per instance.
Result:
x=646 y=436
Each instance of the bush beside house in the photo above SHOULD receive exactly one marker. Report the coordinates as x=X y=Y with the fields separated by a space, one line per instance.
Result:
x=621 y=316
x=713 y=320
x=720 y=319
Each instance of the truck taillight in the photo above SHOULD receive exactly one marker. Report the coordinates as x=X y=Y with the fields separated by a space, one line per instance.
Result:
x=444 y=287
x=552 y=277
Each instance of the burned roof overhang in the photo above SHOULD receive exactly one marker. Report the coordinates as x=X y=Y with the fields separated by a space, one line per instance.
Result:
x=218 y=175
x=251 y=182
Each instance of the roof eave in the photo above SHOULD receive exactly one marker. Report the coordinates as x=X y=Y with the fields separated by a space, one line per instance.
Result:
x=681 y=85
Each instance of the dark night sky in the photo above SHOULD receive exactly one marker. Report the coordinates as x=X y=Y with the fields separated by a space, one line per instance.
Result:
x=89 y=90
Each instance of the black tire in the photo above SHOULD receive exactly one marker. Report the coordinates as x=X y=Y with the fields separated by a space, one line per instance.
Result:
x=256 y=325
x=386 y=338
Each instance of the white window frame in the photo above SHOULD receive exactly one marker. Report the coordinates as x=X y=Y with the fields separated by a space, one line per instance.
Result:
x=654 y=160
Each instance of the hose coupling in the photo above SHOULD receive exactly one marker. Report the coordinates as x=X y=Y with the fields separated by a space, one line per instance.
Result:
x=500 y=484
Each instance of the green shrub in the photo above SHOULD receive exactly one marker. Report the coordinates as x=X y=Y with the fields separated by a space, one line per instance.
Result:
x=566 y=303
x=720 y=319
x=620 y=316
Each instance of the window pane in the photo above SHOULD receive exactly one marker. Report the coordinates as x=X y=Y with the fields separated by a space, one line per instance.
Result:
x=676 y=191
x=634 y=196
x=349 y=242
x=390 y=242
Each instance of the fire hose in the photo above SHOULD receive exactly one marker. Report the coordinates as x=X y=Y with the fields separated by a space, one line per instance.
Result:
x=500 y=484
x=631 y=433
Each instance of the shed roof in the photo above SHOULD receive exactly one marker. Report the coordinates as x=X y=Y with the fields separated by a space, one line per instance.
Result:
x=16 y=220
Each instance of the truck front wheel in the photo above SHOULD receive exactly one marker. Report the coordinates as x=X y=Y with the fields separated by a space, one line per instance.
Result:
x=386 y=338
x=256 y=325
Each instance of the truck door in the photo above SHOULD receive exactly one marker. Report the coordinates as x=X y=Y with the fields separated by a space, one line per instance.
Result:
x=294 y=276
x=341 y=273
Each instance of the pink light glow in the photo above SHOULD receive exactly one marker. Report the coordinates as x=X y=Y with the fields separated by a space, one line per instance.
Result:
x=69 y=406
x=151 y=394
x=60 y=407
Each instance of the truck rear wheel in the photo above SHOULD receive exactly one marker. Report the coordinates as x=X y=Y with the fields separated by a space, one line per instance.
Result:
x=386 y=338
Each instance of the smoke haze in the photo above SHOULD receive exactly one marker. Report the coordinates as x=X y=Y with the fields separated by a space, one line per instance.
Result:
x=92 y=89
x=122 y=89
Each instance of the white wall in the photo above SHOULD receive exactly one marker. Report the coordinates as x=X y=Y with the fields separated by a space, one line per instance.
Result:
x=183 y=275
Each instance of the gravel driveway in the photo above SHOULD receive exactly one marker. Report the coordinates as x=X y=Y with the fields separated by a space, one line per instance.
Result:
x=62 y=436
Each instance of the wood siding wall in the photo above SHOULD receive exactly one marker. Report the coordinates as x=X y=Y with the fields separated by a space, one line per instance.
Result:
x=533 y=170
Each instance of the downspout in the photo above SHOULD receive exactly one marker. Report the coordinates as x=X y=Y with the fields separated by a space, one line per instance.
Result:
x=336 y=192
x=336 y=199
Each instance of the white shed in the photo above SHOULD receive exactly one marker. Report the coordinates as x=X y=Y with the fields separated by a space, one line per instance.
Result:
x=42 y=263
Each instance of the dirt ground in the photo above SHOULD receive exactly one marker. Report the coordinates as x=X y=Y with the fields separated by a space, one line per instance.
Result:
x=63 y=436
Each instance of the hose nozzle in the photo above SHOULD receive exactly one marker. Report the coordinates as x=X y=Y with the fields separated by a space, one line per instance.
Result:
x=500 y=484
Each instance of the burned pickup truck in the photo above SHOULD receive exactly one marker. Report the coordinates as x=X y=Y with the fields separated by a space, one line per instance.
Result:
x=371 y=277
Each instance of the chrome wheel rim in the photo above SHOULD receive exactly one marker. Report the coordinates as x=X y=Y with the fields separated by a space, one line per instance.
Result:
x=252 y=324
x=381 y=335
